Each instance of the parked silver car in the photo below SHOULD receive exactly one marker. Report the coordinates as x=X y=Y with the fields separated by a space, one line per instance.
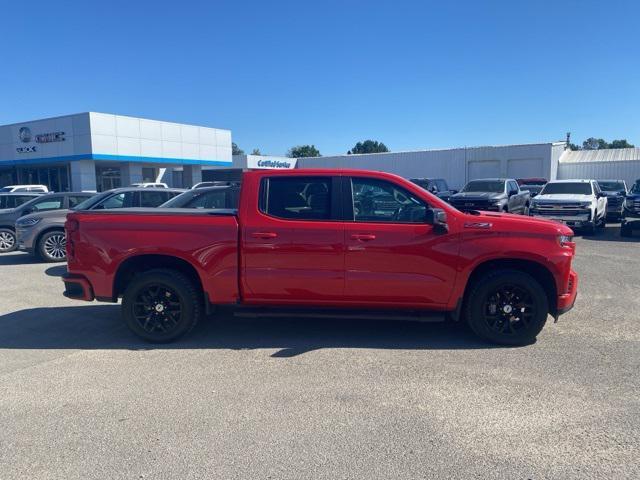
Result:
x=42 y=233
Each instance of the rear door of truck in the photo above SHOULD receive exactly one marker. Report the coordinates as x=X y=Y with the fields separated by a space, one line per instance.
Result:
x=292 y=239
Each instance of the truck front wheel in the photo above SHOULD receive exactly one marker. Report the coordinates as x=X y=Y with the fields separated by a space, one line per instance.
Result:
x=508 y=307
x=161 y=305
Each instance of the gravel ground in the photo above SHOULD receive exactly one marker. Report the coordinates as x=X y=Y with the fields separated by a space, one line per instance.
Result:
x=81 y=398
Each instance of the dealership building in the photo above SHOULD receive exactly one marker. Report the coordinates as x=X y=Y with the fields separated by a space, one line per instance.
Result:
x=97 y=151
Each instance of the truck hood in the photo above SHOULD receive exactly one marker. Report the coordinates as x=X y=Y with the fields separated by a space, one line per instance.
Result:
x=564 y=197
x=517 y=223
x=478 y=196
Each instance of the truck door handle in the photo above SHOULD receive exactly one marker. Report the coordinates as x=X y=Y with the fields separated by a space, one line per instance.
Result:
x=264 y=235
x=365 y=237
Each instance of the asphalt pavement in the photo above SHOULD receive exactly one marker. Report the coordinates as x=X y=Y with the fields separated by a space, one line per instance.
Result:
x=80 y=397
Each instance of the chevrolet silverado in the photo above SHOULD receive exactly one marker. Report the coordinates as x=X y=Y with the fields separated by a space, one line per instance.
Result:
x=324 y=243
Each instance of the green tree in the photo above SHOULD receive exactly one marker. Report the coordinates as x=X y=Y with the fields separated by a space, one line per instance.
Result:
x=255 y=151
x=592 y=143
x=236 y=150
x=301 y=151
x=573 y=146
x=368 y=146
x=621 y=144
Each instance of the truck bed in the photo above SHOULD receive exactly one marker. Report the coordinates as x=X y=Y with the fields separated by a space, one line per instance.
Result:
x=206 y=240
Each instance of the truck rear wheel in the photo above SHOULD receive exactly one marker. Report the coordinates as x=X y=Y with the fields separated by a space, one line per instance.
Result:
x=161 y=305
x=507 y=307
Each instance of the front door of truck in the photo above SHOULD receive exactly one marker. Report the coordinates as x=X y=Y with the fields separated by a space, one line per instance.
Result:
x=293 y=251
x=393 y=257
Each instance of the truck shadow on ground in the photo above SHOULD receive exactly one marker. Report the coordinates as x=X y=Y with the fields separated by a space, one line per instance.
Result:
x=100 y=327
x=19 y=258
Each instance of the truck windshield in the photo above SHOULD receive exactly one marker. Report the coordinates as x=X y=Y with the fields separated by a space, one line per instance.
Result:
x=571 y=188
x=494 y=186
x=636 y=187
x=611 y=186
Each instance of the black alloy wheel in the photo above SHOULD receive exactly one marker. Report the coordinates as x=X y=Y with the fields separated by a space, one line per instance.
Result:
x=507 y=307
x=161 y=305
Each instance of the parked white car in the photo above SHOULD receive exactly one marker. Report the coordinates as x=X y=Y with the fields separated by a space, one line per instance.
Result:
x=24 y=188
x=577 y=203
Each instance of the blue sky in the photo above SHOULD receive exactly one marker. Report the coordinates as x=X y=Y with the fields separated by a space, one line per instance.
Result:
x=411 y=74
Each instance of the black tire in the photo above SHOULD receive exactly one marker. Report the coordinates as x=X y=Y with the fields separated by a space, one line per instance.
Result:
x=51 y=246
x=8 y=241
x=591 y=229
x=491 y=308
x=526 y=210
x=161 y=305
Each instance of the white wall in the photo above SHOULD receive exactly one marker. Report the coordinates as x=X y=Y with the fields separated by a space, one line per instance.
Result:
x=457 y=165
x=140 y=137
x=628 y=170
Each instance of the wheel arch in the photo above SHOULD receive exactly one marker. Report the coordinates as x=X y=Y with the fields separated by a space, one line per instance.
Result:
x=537 y=270
x=137 y=264
x=52 y=228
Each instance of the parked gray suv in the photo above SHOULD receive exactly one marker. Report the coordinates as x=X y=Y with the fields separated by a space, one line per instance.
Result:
x=42 y=233
x=41 y=203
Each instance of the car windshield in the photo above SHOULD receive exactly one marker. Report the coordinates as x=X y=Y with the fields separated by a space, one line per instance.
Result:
x=5 y=189
x=611 y=186
x=571 y=188
x=91 y=201
x=531 y=188
x=494 y=186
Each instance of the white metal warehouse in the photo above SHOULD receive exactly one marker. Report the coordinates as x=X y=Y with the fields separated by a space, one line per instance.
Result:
x=614 y=164
x=459 y=165
x=456 y=165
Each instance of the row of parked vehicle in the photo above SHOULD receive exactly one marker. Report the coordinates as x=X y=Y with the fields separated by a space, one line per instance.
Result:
x=34 y=222
x=581 y=204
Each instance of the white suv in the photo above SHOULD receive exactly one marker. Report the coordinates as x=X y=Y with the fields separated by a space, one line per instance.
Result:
x=577 y=203
x=24 y=188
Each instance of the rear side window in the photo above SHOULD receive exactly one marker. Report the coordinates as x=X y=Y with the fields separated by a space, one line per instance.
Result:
x=442 y=185
x=152 y=199
x=75 y=201
x=48 y=203
x=119 y=200
x=296 y=198
x=213 y=199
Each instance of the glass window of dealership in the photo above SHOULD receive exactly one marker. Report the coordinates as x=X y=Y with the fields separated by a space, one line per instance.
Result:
x=97 y=151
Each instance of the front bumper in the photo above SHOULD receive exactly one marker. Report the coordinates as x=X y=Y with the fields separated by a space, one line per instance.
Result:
x=577 y=221
x=77 y=287
x=567 y=300
x=630 y=216
x=26 y=238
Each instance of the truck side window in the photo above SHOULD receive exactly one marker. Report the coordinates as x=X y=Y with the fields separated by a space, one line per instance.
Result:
x=381 y=201
x=297 y=198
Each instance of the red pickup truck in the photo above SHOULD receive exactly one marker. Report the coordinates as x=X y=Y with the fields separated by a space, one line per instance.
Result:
x=324 y=243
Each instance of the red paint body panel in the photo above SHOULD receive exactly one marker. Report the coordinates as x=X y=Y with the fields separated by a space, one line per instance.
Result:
x=261 y=260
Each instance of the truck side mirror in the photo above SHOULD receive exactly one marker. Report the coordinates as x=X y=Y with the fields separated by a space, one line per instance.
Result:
x=438 y=218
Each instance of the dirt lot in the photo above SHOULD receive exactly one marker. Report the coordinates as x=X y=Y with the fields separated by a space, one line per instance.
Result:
x=81 y=398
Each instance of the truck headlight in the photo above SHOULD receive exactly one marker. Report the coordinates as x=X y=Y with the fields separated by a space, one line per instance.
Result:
x=565 y=240
x=27 y=222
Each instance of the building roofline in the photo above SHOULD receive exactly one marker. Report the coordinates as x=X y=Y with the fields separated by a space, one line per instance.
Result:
x=466 y=147
x=105 y=113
